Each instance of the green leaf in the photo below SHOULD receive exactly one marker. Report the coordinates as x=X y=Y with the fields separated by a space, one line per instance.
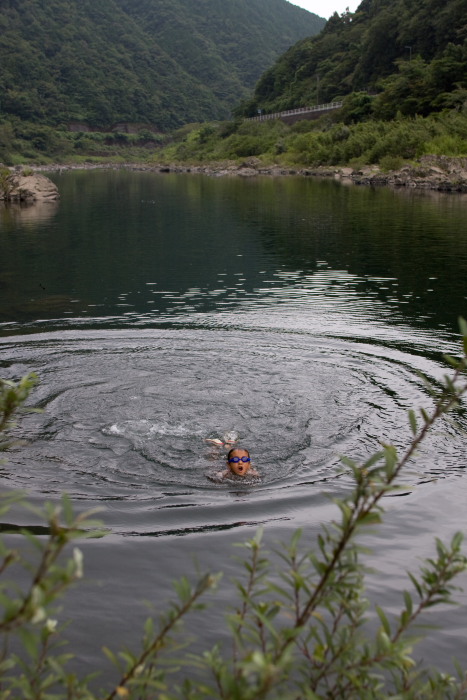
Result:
x=408 y=602
x=111 y=656
x=33 y=539
x=183 y=589
x=457 y=540
x=425 y=415
x=348 y=462
x=390 y=456
x=384 y=620
x=282 y=591
x=371 y=518
x=452 y=361
x=462 y=326
x=67 y=510
x=373 y=459
x=295 y=539
x=6 y=665
x=416 y=584
x=384 y=642
x=129 y=658
x=440 y=548
x=29 y=641
x=149 y=627
x=413 y=421
x=257 y=539
x=345 y=509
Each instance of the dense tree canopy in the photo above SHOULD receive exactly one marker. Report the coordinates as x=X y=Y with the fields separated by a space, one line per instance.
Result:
x=412 y=51
x=161 y=62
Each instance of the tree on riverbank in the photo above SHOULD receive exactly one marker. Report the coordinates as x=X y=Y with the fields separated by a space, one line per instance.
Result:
x=412 y=54
x=297 y=628
x=326 y=141
x=323 y=142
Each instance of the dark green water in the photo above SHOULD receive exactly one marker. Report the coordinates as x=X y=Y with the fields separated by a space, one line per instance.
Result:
x=141 y=248
x=159 y=310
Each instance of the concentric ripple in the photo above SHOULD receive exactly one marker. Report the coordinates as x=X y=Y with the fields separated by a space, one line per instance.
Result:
x=127 y=413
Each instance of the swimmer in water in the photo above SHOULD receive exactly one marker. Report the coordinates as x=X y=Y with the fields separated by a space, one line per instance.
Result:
x=239 y=463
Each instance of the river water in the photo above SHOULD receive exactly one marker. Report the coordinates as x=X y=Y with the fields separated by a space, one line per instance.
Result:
x=161 y=310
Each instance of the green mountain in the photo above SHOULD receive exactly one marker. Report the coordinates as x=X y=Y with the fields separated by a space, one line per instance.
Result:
x=412 y=52
x=159 y=62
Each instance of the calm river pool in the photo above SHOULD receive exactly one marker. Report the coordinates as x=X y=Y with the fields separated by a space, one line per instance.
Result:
x=161 y=310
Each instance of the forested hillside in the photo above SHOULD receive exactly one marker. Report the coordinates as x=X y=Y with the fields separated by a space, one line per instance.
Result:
x=412 y=52
x=159 y=62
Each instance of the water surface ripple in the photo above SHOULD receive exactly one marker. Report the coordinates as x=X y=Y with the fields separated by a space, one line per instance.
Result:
x=159 y=311
x=126 y=414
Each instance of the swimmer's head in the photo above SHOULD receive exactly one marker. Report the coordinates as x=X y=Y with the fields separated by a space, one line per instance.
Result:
x=238 y=461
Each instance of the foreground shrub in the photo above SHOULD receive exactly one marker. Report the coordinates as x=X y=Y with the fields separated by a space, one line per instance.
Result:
x=297 y=629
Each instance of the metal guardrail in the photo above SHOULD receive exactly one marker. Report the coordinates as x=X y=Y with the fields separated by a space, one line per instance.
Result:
x=299 y=110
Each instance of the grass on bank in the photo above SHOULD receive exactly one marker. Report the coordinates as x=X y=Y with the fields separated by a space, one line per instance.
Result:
x=324 y=142
x=26 y=143
x=328 y=141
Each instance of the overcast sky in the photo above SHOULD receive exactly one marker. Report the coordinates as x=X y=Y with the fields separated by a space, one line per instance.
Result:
x=325 y=8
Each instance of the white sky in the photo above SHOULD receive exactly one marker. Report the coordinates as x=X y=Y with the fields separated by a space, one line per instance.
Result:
x=325 y=8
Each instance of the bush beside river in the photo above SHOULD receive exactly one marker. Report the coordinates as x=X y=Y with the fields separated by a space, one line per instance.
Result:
x=325 y=142
x=428 y=152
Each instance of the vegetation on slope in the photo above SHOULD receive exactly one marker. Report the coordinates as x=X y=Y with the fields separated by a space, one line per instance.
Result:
x=400 y=68
x=324 y=142
x=159 y=62
x=414 y=52
x=327 y=141
x=25 y=142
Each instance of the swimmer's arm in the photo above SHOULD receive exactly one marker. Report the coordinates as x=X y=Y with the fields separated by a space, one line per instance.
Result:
x=218 y=476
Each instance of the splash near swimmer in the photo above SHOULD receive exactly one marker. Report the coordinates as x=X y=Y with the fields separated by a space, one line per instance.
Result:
x=229 y=438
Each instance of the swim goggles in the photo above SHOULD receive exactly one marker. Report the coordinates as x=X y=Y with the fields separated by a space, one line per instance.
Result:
x=239 y=459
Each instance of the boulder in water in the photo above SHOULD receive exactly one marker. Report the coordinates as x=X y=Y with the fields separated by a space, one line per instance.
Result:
x=26 y=186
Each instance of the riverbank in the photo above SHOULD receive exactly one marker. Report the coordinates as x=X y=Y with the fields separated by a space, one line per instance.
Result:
x=440 y=173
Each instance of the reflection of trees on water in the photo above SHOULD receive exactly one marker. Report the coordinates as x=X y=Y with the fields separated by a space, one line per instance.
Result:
x=407 y=246
x=28 y=216
x=143 y=242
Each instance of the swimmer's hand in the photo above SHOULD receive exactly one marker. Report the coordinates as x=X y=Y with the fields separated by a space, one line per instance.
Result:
x=214 y=441
x=218 y=477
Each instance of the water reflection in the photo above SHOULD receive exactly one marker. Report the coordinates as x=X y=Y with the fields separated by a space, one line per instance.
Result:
x=132 y=247
x=13 y=214
x=160 y=310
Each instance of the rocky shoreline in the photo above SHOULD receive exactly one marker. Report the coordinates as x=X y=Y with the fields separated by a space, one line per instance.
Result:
x=440 y=173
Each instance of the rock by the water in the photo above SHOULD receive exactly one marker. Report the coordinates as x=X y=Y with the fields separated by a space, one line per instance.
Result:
x=442 y=173
x=24 y=186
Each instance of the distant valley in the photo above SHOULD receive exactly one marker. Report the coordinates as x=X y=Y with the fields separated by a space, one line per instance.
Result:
x=158 y=62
